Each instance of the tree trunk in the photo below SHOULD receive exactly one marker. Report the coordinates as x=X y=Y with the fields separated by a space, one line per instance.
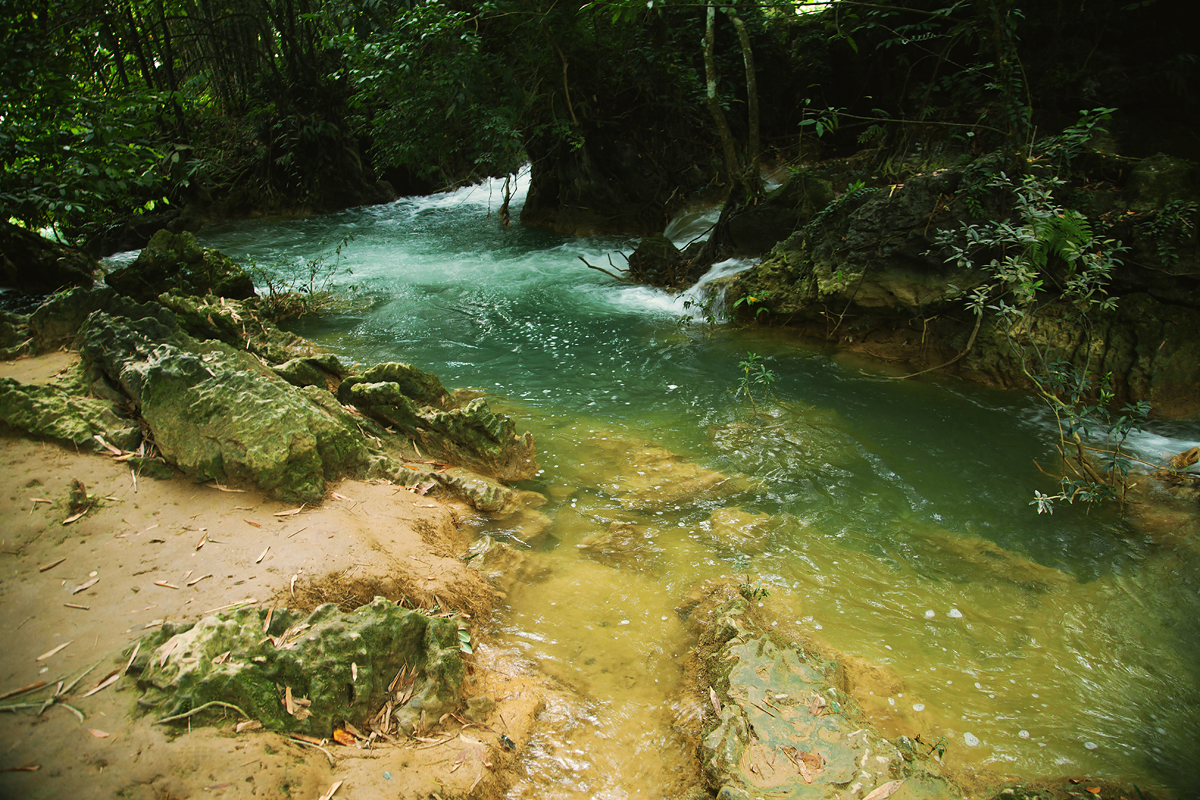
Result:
x=710 y=97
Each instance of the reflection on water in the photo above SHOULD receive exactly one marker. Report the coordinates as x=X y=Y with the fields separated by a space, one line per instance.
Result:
x=889 y=520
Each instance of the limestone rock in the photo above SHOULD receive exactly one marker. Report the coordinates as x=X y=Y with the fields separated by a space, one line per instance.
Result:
x=756 y=229
x=174 y=262
x=809 y=739
x=323 y=371
x=418 y=407
x=624 y=544
x=1161 y=179
x=218 y=414
x=15 y=339
x=55 y=413
x=342 y=663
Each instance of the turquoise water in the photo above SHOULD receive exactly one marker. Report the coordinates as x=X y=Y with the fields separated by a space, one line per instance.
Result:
x=889 y=520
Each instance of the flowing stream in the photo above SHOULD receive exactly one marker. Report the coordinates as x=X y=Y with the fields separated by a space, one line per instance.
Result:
x=887 y=520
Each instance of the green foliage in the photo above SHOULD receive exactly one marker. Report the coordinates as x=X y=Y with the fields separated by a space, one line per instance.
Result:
x=75 y=150
x=1047 y=252
x=750 y=301
x=755 y=375
x=297 y=288
x=1062 y=149
x=438 y=101
x=753 y=592
x=1175 y=218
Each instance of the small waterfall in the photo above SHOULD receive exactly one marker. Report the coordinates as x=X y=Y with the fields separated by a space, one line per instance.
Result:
x=706 y=298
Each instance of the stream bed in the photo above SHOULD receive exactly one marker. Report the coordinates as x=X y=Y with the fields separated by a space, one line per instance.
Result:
x=889 y=521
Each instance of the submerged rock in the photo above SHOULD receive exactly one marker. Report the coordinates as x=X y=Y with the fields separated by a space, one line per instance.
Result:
x=337 y=666
x=624 y=544
x=658 y=479
x=778 y=725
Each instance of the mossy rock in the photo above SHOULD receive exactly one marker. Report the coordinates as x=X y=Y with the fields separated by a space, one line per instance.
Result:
x=54 y=413
x=341 y=663
x=174 y=262
x=217 y=413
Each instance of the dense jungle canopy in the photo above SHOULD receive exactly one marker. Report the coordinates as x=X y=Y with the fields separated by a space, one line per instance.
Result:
x=119 y=113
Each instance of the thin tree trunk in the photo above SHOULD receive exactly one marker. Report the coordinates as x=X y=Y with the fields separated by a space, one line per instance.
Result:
x=753 y=145
x=714 y=104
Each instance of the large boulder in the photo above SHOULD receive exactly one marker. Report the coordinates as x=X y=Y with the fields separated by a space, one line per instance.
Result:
x=335 y=666
x=754 y=230
x=867 y=273
x=218 y=413
x=174 y=262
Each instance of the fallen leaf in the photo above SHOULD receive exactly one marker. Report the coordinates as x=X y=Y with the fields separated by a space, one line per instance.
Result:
x=99 y=734
x=306 y=738
x=344 y=738
x=112 y=678
x=132 y=656
x=51 y=565
x=887 y=790
x=716 y=704
x=76 y=605
x=203 y=539
x=332 y=791
x=215 y=485
x=165 y=584
x=288 y=703
x=49 y=653
x=251 y=522
x=73 y=517
x=194 y=581
x=1093 y=789
x=22 y=690
x=247 y=725
x=262 y=555
x=30 y=767
x=85 y=585
x=289 y=513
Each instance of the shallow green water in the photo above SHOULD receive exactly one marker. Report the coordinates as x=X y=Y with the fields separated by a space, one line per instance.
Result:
x=889 y=520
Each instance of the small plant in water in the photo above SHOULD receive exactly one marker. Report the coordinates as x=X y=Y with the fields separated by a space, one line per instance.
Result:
x=939 y=744
x=753 y=592
x=754 y=375
x=751 y=300
x=295 y=289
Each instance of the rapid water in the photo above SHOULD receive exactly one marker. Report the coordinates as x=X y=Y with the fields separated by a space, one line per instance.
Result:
x=889 y=521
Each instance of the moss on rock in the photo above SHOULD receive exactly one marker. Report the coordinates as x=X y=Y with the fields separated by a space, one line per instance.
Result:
x=340 y=664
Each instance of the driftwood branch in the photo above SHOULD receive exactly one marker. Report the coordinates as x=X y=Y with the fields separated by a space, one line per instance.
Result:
x=967 y=349
x=198 y=709
x=602 y=269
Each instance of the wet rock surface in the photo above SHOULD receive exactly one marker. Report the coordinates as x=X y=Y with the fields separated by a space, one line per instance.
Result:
x=307 y=674
x=781 y=727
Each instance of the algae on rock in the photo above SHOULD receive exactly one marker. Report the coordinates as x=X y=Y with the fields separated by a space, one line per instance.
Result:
x=784 y=728
x=338 y=665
